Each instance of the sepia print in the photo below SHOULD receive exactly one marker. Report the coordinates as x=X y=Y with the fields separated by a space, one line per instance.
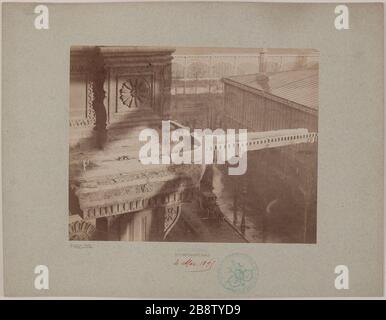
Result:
x=119 y=94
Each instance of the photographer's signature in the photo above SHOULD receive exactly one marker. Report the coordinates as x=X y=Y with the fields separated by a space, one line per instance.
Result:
x=81 y=246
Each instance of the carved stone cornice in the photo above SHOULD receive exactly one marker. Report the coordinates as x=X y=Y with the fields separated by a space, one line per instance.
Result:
x=119 y=194
x=167 y=172
x=82 y=59
x=124 y=55
x=141 y=203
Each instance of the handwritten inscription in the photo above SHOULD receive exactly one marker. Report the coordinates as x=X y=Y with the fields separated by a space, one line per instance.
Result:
x=195 y=263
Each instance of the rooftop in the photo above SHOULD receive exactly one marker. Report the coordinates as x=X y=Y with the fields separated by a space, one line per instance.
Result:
x=300 y=86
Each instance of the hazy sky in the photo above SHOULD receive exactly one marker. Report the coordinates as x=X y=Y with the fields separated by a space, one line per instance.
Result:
x=197 y=50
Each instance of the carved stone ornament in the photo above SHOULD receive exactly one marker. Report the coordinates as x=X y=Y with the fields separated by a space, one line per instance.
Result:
x=172 y=213
x=90 y=114
x=81 y=230
x=135 y=92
